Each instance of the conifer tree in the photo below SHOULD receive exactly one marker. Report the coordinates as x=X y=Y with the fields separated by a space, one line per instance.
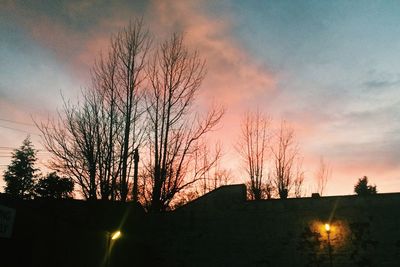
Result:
x=21 y=173
x=363 y=189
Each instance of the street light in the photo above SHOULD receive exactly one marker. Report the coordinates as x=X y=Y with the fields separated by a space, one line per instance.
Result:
x=328 y=232
x=327 y=228
x=116 y=235
x=111 y=237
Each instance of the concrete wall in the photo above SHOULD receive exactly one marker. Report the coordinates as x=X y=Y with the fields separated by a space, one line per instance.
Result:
x=223 y=229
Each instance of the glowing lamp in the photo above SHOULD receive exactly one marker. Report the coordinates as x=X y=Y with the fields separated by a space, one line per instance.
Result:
x=116 y=235
x=327 y=227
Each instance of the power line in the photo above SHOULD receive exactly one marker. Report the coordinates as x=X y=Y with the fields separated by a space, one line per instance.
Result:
x=15 y=129
x=23 y=123
x=9 y=151
x=12 y=149
x=18 y=122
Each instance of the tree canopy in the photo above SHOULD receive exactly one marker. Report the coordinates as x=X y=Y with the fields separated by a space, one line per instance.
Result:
x=363 y=189
x=21 y=173
x=22 y=180
x=54 y=187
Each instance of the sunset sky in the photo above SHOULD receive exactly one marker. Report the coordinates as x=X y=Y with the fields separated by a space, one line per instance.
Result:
x=330 y=68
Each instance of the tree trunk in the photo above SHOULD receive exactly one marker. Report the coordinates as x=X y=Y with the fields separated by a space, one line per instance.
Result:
x=135 y=176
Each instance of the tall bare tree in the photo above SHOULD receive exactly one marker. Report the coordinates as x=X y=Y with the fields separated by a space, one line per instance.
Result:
x=322 y=175
x=175 y=134
x=97 y=141
x=105 y=83
x=131 y=45
x=253 y=147
x=284 y=152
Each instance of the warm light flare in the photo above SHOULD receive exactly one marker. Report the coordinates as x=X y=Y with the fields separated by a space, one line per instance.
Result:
x=116 y=235
x=327 y=227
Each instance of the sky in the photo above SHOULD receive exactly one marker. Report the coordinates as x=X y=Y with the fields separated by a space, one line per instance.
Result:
x=329 y=68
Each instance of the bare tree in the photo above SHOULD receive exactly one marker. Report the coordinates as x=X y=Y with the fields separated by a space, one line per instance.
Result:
x=175 y=134
x=97 y=141
x=284 y=151
x=105 y=85
x=253 y=148
x=211 y=180
x=269 y=188
x=72 y=140
x=215 y=176
x=131 y=46
x=299 y=179
x=322 y=175
x=220 y=178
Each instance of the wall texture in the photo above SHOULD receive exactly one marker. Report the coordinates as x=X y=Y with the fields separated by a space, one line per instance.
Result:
x=223 y=229
x=218 y=229
x=68 y=232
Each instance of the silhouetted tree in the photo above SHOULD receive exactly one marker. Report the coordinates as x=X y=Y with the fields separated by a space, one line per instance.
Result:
x=54 y=186
x=218 y=178
x=175 y=132
x=253 y=147
x=131 y=46
x=285 y=151
x=213 y=177
x=269 y=188
x=298 y=179
x=322 y=176
x=363 y=189
x=97 y=141
x=94 y=142
x=73 y=141
x=21 y=173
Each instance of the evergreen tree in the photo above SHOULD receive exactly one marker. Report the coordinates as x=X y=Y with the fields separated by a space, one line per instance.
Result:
x=20 y=174
x=54 y=186
x=363 y=189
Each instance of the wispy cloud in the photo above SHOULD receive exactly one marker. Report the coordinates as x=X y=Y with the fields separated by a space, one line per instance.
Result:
x=233 y=76
x=381 y=80
x=320 y=80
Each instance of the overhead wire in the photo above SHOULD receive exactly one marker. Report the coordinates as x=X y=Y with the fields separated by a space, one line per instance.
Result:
x=19 y=130
x=17 y=122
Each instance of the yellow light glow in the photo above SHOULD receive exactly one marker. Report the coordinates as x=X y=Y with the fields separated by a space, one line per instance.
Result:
x=327 y=227
x=116 y=235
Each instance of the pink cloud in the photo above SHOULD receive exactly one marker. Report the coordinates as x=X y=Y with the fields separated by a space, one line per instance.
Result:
x=233 y=78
